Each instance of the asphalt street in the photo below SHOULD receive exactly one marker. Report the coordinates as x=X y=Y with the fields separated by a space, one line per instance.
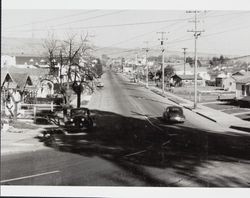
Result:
x=132 y=146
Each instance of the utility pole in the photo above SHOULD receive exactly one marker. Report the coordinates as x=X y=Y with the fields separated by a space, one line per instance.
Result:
x=162 y=50
x=184 y=48
x=33 y=31
x=197 y=33
x=146 y=49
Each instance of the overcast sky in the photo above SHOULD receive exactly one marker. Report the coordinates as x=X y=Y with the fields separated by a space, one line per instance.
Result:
x=226 y=32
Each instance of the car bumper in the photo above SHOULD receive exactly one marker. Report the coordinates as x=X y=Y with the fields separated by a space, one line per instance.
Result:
x=177 y=119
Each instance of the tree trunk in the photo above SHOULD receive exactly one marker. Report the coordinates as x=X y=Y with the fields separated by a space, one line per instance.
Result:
x=15 y=112
x=78 y=100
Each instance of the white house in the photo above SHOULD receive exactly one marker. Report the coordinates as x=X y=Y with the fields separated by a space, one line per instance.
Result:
x=242 y=86
x=188 y=70
x=229 y=84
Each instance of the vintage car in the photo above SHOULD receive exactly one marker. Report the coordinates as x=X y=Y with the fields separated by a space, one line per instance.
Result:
x=80 y=120
x=173 y=114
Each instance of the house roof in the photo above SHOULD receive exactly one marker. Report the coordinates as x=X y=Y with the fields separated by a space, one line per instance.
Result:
x=18 y=80
x=35 y=79
x=242 y=79
x=247 y=99
x=180 y=67
x=188 y=77
x=29 y=71
x=3 y=75
x=239 y=73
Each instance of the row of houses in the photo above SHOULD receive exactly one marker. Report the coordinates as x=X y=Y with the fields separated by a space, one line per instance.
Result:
x=22 y=86
x=238 y=82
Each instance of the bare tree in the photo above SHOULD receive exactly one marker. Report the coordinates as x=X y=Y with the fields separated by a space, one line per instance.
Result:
x=72 y=75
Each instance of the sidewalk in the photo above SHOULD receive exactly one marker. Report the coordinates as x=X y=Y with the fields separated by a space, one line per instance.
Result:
x=16 y=140
x=223 y=119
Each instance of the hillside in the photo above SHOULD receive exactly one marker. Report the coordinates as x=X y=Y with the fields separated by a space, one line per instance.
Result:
x=18 y=46
x=29 y=46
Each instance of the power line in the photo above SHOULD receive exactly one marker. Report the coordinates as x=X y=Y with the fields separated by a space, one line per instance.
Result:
x=123 y=24
x=52 y=19
x=228 y=14
x=137 y=36
x=131 y=50
x=94 y=17
x=212 y=34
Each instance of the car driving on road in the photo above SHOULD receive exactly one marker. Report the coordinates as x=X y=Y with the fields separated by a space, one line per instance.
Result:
x=174 y=114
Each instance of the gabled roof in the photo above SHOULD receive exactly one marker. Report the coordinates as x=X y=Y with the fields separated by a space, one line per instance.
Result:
x=18 y=80
x=3 y=75
x=239 y=73
x=35 y=79
x=29 y=71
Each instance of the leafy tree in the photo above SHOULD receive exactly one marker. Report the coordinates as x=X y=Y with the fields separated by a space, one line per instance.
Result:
x=217 y=61
x=168 y=72
x=222 y=59
x=150 y=75
x=190 y=61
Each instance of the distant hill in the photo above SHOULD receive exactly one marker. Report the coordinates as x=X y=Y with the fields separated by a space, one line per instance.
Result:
x=20 y=46
x=29 y=46
x=242 y=59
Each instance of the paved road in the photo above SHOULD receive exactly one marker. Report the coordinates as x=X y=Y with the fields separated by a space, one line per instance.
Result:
x=131 y=146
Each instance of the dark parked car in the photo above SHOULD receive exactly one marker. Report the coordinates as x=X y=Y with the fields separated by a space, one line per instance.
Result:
x=80 y=120
x=100 y=84
x=174 y=114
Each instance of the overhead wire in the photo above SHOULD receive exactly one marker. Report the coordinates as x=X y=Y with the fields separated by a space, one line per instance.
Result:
x=52 y=19
x=126 y=24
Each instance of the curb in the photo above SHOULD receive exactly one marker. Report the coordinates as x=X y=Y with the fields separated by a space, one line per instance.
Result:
x=189 y=108
x=198 y=113
x=240 y=128
x=205 y=116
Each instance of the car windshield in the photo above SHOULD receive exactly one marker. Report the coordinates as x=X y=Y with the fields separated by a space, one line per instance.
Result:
x=79 y=112
x=175 y=110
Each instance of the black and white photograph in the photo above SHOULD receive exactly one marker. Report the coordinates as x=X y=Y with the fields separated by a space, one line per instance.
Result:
x=124 y=97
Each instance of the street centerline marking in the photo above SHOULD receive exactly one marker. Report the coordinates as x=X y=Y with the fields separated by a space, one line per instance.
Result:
x=30 y=176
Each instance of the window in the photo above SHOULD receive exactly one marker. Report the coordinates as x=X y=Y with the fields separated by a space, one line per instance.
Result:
x=248 y=90
x=243 y=90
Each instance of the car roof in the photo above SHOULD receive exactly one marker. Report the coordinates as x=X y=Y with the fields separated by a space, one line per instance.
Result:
x=82 y=108
x=173 y=107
